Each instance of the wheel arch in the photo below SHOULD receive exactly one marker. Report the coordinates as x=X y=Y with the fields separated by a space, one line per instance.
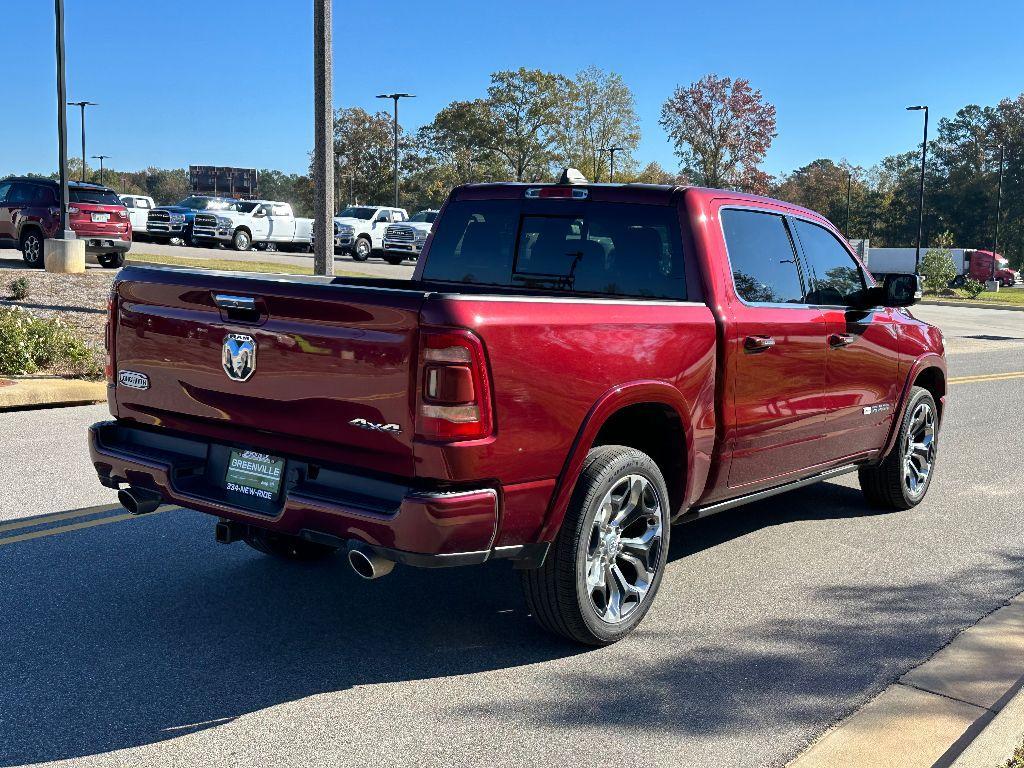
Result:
x=928 y=371
x=651 y=416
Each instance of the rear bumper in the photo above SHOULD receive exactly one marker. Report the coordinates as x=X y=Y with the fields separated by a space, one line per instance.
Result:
x=415 y=526
x=101 y=244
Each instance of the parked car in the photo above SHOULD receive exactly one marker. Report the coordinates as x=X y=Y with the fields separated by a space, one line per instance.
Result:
x=138 y=207
x=30 y=214
x=572 y=369
x=968 y=262
x=405 y=240
x=359 y=229
x=173 y=223
x=254 y=223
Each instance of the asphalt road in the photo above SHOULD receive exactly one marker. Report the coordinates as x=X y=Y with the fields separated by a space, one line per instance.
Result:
x=142 y=642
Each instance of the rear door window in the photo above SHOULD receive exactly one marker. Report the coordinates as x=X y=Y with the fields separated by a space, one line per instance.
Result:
x=762 y=257
x=611 y=249
x=835 y=276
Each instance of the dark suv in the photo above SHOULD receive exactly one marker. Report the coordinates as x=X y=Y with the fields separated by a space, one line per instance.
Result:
x=30 y=213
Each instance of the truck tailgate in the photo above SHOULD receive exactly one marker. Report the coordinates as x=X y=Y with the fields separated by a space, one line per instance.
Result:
x=326 y=354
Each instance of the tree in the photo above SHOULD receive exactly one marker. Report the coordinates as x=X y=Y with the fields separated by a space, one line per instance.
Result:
x=822 y=185
x=599 y=112
x=722 y=129
x=363 y=150
x=937 y=268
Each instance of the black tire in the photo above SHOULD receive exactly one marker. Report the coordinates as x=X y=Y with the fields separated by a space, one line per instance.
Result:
x=885 y=485
x=394 y=258
x=556 y=593
x=362 y=249
x=111 y=260
x=287 y=547
x=241 y=240
x=32 y=248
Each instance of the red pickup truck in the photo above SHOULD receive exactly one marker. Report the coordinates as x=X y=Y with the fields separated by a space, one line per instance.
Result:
x=572 y=369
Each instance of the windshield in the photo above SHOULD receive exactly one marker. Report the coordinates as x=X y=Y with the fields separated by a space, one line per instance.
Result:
x=206 y=204
x=357 y=213
x=425 y=216
x=614 y=249
x=95 y=196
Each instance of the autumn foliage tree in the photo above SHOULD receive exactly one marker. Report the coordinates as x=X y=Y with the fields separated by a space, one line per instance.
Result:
x=722 y=129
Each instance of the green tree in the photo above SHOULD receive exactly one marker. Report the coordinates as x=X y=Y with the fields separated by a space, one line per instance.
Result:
x=937 y=268
x=363 y=151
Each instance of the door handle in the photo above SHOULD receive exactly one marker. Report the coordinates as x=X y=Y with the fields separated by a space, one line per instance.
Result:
x=758 y=343
x=841 y=339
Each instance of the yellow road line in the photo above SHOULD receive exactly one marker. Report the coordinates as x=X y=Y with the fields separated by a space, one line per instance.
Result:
x=68 y=528
x=29 y=522
x=987 y=377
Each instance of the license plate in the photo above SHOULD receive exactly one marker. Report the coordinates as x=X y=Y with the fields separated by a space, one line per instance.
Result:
x=254 y=474
x=100 y=218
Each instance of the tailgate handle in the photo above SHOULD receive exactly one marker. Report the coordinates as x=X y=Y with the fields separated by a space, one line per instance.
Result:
x=237 y=307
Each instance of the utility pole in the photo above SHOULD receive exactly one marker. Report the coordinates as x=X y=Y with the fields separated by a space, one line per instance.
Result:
x=920 y=204
x=101 y=158
x=62 y=123
x=323 y=139
x=82 y=105
x=999 y=211
x=396 y=97
x=611 y=168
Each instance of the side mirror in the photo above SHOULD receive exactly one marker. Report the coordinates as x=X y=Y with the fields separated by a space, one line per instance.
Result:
x=895 y=291
x=260 y=214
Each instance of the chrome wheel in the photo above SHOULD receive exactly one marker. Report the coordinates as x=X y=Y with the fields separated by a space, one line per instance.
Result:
x=624 y=551
x=919 y=452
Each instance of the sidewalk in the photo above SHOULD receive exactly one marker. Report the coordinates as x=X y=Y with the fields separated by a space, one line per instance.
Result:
x=48 y=391
x=964 y=707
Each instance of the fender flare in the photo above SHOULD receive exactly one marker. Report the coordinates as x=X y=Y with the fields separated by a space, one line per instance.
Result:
x=609 y=403
x=929 y=360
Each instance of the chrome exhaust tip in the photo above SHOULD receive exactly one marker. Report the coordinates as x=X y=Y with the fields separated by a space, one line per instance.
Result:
x=368 y=564
x=139 y=501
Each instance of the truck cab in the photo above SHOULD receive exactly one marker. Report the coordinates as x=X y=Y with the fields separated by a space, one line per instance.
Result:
x=138 y=207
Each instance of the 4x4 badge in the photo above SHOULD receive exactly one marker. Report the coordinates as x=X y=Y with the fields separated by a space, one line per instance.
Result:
x=391 y=429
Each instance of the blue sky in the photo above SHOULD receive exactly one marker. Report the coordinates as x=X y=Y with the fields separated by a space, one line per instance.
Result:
x=230 y=83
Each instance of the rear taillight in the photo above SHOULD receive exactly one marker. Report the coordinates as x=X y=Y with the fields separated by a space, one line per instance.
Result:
x=123 y=215
x=73 y=209
x=108 y=336
x=454 y=398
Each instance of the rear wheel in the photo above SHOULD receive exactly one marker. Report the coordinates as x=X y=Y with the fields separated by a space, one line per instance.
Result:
x=286 y=547
x=111 y=260
x=363 y=249
x=606 y=564
x=902 y=479
x=241 y=240
x=32 y=248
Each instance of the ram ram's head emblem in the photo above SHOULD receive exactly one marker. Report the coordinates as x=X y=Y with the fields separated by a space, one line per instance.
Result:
x=239 y=356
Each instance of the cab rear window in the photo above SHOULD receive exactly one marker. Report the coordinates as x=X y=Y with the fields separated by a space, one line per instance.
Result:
x=594 y=248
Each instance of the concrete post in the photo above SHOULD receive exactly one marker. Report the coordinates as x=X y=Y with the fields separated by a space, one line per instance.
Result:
x=67 y=256
x=323 y=140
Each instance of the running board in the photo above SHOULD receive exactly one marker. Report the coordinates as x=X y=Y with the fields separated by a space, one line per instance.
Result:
x=722 y=506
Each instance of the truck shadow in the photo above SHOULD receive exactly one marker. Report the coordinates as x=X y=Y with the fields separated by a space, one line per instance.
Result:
x=134 y=633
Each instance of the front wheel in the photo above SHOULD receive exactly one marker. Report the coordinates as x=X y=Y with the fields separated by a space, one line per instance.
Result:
x=111 y=260
x=286 y=547
x=363 y=249
x=606 y=564
x=241 y=241
x=32 y=248
x=902 y=479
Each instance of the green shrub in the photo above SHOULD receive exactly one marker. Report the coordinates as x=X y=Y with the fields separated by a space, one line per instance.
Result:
x=973 y=288
x=29 y=344
x=19 y=289
x=937 y=268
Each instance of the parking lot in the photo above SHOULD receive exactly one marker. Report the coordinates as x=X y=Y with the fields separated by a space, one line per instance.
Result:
x=143 y=642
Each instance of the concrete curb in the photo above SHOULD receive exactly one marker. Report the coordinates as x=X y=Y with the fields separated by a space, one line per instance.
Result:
x=934 y=714
x=49 y=391
x=974 y=305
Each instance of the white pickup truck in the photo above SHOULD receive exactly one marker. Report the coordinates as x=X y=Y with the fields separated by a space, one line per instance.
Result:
x=359 y=229
x=405 y=240
x=138 y=207
x=255 y=223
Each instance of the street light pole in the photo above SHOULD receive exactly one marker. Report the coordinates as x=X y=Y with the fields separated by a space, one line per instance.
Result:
x=920 y=205
x=611 y=168
x=101 y=158
x=396 y=97
x=62 y=122
x=82 y=105
x=849 y=190
x=323 y=139
x=999 y=211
